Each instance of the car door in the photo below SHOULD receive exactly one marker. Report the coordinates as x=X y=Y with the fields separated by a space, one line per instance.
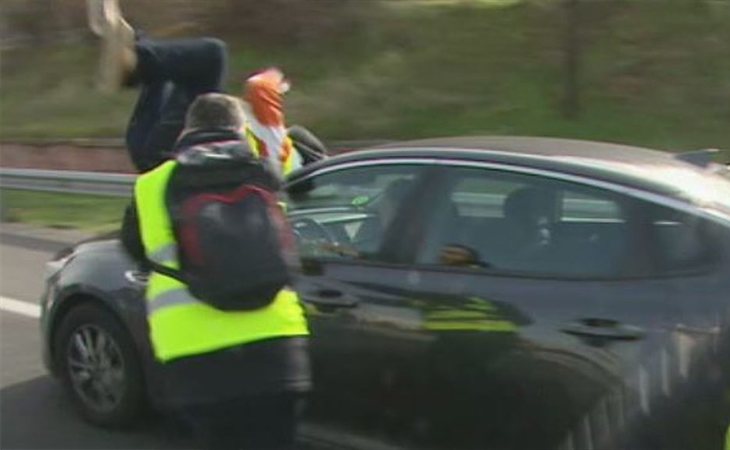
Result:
x=687 y=377
x=351 y=223
x=539 y=301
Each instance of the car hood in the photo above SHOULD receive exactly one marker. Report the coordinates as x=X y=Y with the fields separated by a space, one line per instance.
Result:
x=96 y=243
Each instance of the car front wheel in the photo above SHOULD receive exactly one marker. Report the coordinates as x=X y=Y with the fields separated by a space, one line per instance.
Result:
x=99 y=366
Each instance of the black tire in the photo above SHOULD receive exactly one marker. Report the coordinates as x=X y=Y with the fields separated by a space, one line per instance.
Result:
x=128 y=402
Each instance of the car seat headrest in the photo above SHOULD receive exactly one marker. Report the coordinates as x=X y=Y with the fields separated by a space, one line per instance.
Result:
x=528 y=205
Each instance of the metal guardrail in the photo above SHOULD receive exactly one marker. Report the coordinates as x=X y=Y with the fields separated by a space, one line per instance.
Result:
x=66 y=181
x=104 y=183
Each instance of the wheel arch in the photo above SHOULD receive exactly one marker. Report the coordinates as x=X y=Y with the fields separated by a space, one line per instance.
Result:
x=68 y=304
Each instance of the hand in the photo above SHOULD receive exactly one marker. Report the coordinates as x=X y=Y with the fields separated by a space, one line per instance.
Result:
x=339 y=249
x=457 y=255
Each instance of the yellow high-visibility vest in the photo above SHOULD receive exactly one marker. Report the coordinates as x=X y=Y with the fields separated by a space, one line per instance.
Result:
x=180 y=324
x=290 y=161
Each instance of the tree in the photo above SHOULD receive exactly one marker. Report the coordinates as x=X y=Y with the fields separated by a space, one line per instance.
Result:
x=572 y=58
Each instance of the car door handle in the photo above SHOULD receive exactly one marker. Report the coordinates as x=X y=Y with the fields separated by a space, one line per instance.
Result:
x=137 y=277
x=603 y=329
x=329 y=299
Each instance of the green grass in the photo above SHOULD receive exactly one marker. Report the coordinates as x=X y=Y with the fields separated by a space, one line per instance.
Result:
x=85 y=212
x=655 y=74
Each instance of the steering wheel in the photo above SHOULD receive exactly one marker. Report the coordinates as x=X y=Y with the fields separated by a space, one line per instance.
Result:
x=307 y=228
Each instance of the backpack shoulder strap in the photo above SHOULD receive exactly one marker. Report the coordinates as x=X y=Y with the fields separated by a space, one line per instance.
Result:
x=168 y=272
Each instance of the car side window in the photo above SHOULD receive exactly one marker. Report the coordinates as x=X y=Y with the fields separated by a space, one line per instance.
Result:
x=505 y=222
x=577 y=206
x=681 y=242
x=344 y=214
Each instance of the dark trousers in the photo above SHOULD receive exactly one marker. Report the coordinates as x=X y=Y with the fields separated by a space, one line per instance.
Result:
x=171 y=74
x=261 y=422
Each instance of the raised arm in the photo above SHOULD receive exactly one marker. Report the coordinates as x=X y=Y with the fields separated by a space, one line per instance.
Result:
x=266 y=126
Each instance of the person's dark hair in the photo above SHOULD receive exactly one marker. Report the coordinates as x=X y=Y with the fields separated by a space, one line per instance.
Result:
x=215 y=111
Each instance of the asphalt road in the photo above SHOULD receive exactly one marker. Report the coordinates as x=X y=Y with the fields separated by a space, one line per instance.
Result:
x=34 y=413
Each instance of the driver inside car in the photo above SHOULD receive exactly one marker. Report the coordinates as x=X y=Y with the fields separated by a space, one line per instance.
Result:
x=524 y=234
x=369 y=236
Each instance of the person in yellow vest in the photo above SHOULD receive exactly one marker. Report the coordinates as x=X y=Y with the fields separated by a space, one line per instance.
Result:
x=238 y=377
x=170 y=74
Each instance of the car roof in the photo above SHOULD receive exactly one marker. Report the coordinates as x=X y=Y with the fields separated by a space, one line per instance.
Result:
x=535 y=146
x=646 y=169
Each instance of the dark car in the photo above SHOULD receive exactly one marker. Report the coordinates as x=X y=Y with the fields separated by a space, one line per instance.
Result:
x=467 y=293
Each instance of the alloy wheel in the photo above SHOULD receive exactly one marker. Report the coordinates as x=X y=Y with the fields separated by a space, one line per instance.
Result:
x=96 y=367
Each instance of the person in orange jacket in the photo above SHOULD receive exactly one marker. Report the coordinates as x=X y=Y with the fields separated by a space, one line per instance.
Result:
x=171 y=73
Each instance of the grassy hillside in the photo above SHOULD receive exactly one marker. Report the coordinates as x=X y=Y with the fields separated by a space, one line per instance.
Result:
x=654 y=73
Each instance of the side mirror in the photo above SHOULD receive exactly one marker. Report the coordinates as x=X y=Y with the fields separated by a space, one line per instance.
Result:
x=309 y=147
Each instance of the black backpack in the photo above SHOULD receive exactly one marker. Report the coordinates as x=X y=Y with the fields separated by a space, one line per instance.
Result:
x=234 y=244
